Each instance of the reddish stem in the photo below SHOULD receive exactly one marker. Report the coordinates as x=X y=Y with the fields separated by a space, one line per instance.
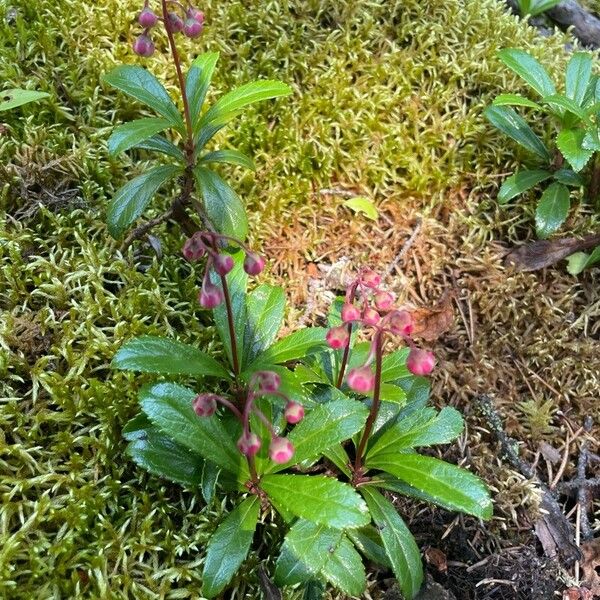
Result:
x=232 y=340
x=344 y=364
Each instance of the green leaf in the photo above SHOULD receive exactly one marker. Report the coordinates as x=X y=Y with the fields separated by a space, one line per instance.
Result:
x=14 y=97
x=289 y=569
x=453 y=486
x=208 y=482
x=339 y=457
x=540 y=6
x=221 y=204
x=295 y=346
x=265 y=306
x=345 y=569
x=363 y=205
x=131 y=200
x=520 y=182
x=394 y=366
x=231 y=157
x=317 y=498
x=325 y=426
x=568 y=177
x=157 y=143
x=143 y=86
x=229 y=546
x=560 y=103
x=197 y=84
x=528 y=69
x=552 y=209
x=368 y=541
x=570 y=144
x=591 y=140
x=169 y=407
x=391 y=393
x=578 y=75
x=398 y=542
x=580 y=261
x=314 y=590
x=514 y=100
x=509 y=122
x=133 y=133
x=153 y=354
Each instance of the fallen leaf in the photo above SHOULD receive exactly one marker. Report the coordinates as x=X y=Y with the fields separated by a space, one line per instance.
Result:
x=435 y=557
x=590 y=565
x=431 y=323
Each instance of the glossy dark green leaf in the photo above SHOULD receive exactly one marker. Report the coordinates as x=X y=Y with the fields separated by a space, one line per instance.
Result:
x=528 y=69
x=514 y=100
x=208 y=482
x=581 y=261
x=229 y=546
x=398 y=541
x=197 y=84
x=345 y=570
x=13 y=98
x=130 y=134
x=570 y=144
x=552 y=209
x=231 y=157
x=368 y=541
x=578 y=74
x=450 y=484
x=158 y=143
x=394 y=365
x=314 y=590
x=568 y=177
x=140 y=84
x=289 y=569
x=520 y=182
x=339 y=457
x=561 y=104
x=318 y=498
x=221 y=204
x=169 y=407
x=131 y=200
x=509 y=122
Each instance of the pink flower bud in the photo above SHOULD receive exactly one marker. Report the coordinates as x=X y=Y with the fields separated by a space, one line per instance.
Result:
x=143 y=46
x=350 y=313
x=192 y=28
x=253 y=263
x=147 y=18
x=281 y=450
x=223 y=264
x=401 y=322
x=249 y=444
x=174 y=22
x=420 y=362
x=370 y=316
x=205 y=405
x=268 y=381
x=384 y=300
x=197 y=15
x=294 y=412
x=193 y=249
x=337 y=337
x=361 y=379
x=210 y=296
x=371 y=279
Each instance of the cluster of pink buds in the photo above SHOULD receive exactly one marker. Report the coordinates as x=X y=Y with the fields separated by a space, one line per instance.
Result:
x=188 y=20
x=367 y=304
x=262 y=383
x=209 y=243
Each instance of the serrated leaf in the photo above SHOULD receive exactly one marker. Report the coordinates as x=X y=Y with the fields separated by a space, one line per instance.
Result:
x=509 y=122
x=317 y=498
x=158 y=143
x=231 y=157
x=314 y=590
x=570 y=144
x=578 y=75
x=339 y=457
x=153 y=354
x=289 y=569
x=221 y=204
x=143 y=86
x=15 y=97
x=197 y=83
x=520 y=182
x=398 y=541
x=169 y=407
x=368 y=541
x=580 y=261
x=133 y=133
x=552 y=209
x=568 y=177
x=345 y=570
x=514 y=100
x=131 y=200
x=528 y=69
x=363 y=205
x=560 y=104
x=394 y=366
x=208 y=482
x=229 y=546
x=453 y=486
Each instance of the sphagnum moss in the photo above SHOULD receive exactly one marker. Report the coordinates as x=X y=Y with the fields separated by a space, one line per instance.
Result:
x=387 y=101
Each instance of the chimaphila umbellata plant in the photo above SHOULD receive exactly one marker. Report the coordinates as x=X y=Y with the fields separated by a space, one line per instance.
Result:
x=202 y=190
x=576 y=116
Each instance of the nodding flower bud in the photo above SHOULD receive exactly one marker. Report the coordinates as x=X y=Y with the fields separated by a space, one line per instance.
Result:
x=192 y=28
x=197 y=15
x=205 y=405
x=281 y=450
x=350 y=313
x=294 y=412
x=143 y=46
x=249 y=444
x=253 y=263
x=268 y=381
x=147 y=18
x=193 y=249
x=361 y=379
x=370 y=316
x=420 y=362
x=337 y=337
x=401 y=322
x=223 y=264
x=384 y=300
x=174 y=22
x=371 y=279
x=210 y=296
